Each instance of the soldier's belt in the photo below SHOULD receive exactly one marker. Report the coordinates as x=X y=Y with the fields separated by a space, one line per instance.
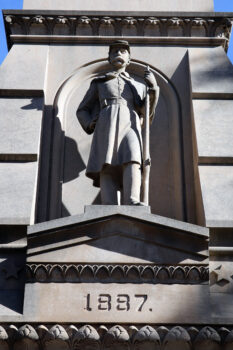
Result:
x=114 y=101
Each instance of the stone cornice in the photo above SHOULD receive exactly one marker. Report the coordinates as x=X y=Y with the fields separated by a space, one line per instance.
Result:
x=122 y=337
x=71 y=39
x=24 y=24
x=190 y=14
x=116 y=273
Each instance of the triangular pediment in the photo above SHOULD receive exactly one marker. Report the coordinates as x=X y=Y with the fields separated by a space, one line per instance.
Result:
x=113 y=234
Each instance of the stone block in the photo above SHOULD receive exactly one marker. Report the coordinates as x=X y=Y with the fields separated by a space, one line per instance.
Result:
x=98 y=212
x=20 y=131
x=29 y=62
x=110 y=303
x=211 y=72
x=221 y=308
x=109 y=234
x=121 y=209
x=213 y=124
x=131 y=5
x=217 y=192
x=18 y=183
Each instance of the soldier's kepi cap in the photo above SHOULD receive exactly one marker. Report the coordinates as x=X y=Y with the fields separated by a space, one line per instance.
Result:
x=120 y=43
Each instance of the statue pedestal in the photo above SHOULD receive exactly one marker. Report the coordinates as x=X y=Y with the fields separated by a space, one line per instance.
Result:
x=117 y=264
x=121 y=209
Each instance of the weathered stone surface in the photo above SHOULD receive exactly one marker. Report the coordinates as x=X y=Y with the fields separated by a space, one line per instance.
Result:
x=221 y=307
x=116 y=273
x=213 y=124
x=217 y=192
x=20 y=131
x=207 y=338
x=105 y=235
x=29 y=62
x=110 y=209
x=121 y=253
x=211 y=72
x=18 y=192
x=198 y=28
x=131 y=5
x=128 y=250
x=221 y=272
x=97 y=212
x=116 y=303
x=177 y=338
x=47 y=336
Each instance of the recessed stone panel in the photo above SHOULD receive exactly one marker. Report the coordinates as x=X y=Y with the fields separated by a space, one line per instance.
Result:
x=121 y=303
x=211 y=71
x=20 y=130
x=217 y=192
x=17 y=188
x=24 y=68
x=213 y=124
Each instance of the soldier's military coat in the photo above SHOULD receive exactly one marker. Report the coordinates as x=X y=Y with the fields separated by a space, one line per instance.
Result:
x=115 y=123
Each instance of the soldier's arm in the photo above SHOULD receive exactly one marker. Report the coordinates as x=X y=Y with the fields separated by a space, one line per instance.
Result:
x=153 y=90
x=86 y=108
x=154 y=96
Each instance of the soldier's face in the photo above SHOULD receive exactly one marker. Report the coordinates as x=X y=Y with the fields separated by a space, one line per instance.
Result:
x=119 y=57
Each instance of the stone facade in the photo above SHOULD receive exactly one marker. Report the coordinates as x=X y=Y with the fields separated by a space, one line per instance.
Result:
x=116 y=276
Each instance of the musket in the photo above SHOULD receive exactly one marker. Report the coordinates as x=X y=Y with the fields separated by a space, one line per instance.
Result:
x=146 y=145
x=146 y=150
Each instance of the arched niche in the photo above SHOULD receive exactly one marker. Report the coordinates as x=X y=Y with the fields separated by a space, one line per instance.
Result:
x=71 y=189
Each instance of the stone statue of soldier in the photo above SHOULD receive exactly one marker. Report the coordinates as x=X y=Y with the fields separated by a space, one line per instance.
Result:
x=115 y=160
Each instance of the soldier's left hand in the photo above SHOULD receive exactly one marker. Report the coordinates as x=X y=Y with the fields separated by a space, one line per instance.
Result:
x=150 y=79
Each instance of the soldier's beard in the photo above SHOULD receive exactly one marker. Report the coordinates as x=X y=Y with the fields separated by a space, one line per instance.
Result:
x=118 y=62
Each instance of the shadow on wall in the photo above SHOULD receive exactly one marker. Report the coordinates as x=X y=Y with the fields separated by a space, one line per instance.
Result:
x=66 y=166
x=12 y=281
x=36 y=103
x=75 y=167
x=74 y=159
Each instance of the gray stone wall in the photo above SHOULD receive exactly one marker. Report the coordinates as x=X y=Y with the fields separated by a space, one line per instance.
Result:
x=130 y=5
x=185 y=145
x=21 y=101
x=54 y=54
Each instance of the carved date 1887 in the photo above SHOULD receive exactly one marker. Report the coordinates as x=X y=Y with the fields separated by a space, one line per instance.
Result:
x=122 y=302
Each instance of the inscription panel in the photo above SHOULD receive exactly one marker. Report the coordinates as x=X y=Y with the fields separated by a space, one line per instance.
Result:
x=116 y=303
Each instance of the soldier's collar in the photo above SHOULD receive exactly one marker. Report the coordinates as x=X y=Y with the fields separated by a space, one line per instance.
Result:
x=114 y=74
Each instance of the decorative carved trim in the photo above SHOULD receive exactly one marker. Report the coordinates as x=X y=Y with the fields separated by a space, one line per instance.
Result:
x=114 y=273
x=106 y=40
x=122 y=337
x=70 y=24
